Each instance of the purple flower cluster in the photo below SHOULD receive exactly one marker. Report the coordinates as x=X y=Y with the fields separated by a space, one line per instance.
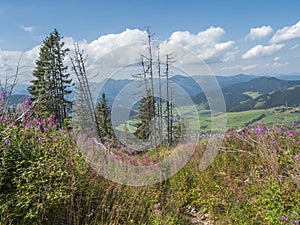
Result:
x=28 y=125
x=259 y=167
x=292 y=133
x=284 y=218
x=273 y=143
x=157 y=206
x=7 y=142
x=259 y=131
x=42 y=125
x=39 y=121
x=55 y=139
x=5 y=118
x=27 y=101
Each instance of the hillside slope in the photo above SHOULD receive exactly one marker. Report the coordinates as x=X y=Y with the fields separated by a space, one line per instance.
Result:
x=289 y=97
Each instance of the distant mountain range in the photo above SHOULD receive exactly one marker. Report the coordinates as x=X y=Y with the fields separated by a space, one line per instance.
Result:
x=241 y=92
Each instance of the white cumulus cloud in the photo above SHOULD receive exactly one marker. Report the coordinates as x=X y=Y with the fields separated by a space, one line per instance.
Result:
x=286 y=33
x=10 y=61
x=98 y=59
x=261 y=51
x=259 y=32
x=108 y=42
x=206 y=44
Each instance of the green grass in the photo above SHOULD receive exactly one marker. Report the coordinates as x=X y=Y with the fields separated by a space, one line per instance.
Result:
x=199 y=119
x=285 y=117
x=239 y=119
x=252 y=94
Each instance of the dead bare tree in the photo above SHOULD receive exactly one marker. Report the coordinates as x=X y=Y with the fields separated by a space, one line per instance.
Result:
x=167 y=97
x=159 y=108
x=84 y=105
x=7 y=88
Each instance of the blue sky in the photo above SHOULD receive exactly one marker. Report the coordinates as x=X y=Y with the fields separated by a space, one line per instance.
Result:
x=218 y=31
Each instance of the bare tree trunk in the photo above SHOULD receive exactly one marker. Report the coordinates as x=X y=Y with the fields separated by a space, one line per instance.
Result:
x=159 y=108
x=5 y=98
x=153 y=123
x=144 y=74
x=78 y=63
x=171 y=119
x=168 y=98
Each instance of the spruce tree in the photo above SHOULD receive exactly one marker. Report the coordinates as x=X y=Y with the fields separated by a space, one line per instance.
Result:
x=52 y=83
x=103 y=120
x=146 y=115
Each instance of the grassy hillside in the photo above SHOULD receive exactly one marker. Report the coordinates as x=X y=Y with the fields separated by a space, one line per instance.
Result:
x=288 y=97
x=240 y=96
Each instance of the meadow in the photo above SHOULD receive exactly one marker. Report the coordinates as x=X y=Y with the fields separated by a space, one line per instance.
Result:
x=254 y=179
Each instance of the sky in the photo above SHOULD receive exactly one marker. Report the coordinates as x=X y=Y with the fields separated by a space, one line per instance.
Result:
x=230 y=37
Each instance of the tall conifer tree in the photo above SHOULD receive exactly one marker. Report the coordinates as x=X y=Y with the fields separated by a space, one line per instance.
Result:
x=51 y=86
x=103 y=119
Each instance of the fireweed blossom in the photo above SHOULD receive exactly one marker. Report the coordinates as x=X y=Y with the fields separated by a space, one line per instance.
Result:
x=55 y=138
x=51 y=124
x=5 y=118
x=51 y=117
x=27 y=101
x=157 y=206
x=36 y=120
x=39 y=121
x=259 y=167
x=284 y=218
x=292 y=133
x=259 y=131
x=28 y=126
x=7 y=142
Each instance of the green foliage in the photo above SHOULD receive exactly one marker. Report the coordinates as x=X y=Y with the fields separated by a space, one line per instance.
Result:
x=40 y=172
x=103 y=119
x=52 y=80
x=254 y=179
x=145 y=116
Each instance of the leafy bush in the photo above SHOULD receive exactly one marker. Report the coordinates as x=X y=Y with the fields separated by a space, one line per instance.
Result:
x=40 y=170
